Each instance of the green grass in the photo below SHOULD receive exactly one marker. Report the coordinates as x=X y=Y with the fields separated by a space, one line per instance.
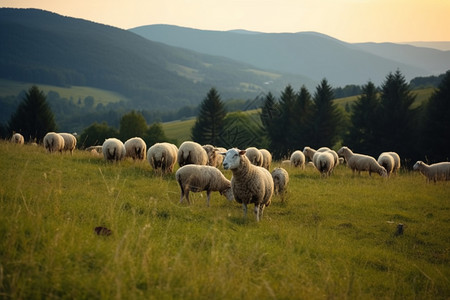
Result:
x=330 y=239
x=8 y=88
x=179 y=130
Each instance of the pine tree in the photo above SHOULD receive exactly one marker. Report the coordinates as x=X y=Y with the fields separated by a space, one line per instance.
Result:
x=363 y=118
x=435 y=135
x=327 y=117
x=210 y=120
x=33 y=117
x=270 y=116
x=303 y=113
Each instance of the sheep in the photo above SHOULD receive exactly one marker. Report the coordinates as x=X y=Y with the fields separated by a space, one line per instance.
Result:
x=254 y=156
x=95 y=149
x=191 y=153
x=197 y=178
x=297 y=159
x=335 y=155
x=324 y=162
x=309 y=153
x=162 y=156
x=113 y=149
x=280 y=181
x=135 y=148
x=361 y=162
x=220 y=156
x=396 y=158
x=17 y=138
x=250 y=184
x=53 y=142
x=267 y=158
x=435 y=172
x=387 y=161
x=70 y=141
x=213 y=154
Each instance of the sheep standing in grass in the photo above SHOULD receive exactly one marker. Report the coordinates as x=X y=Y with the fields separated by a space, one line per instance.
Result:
x=191 y=153
x=113 y=149
x=53 y=142
x=361 y=162
x=250 y=183
x=334 y=153
x=267 y=158
x=297 y=159
x=136 y=148
x=254 y=156
x=397 y=163
x=434 y=172
x=280 y=181
x=386 y=161
x=212 y=153
x=162 y=156
x=309 y=153
x=220 y=157
x=17 y=138
x=70 y=141
x=197 y=178
x=324 y=162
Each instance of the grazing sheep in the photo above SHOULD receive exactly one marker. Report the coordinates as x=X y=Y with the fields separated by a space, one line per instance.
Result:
x=280 y=181
x=113 y=149
x=213 y=154
x=17 y=138
x=95 y=149
x=397 y=163
x=135 y=148
x=197 y=178
x=220 y=156
x=53 y=142
x=324 y=162
x=267 y=158
x=297 y=159
x=191 y=153
x=70 y=141
x=335 y=155
x=162 y=156
x=361 y=162
x=254 y=156
x=309 y=153
x=387 y=161
x=435 y=172
x=250 y=184
x=286 y=163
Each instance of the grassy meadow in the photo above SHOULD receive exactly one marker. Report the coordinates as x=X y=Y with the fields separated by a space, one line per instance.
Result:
x=330 y=238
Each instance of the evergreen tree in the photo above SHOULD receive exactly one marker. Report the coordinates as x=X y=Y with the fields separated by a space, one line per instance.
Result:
x=361 y=134
x=327 y=117
x=303 y=113
x=435 y=135
x=132 y=124
x=96 y=134
x=241 y=130
x=270 y=116
x=210 y=120
x=33 y=117
x=287 y=123
x=395 y=130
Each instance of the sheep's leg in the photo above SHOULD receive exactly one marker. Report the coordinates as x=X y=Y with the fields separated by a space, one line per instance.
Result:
x=261 y=211
x=208 y=194
x=257 y=210
x=244 y=206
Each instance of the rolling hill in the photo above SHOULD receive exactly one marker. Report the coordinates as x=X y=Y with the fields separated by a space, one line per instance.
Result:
x=306 y=53
x=46 y=48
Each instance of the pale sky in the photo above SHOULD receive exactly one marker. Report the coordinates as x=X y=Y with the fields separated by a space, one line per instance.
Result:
x=347 y=20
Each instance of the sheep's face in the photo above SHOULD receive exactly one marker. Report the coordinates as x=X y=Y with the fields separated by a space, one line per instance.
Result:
x=417 y=165
x=228 y=193
x=232 y=159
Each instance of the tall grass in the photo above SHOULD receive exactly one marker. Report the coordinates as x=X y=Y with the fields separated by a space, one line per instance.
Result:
x=330 y=238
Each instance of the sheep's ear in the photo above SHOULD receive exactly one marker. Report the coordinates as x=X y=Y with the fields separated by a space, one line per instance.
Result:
x=242 y=152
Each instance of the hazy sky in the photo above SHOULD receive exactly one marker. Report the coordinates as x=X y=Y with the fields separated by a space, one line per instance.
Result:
x=347 y=20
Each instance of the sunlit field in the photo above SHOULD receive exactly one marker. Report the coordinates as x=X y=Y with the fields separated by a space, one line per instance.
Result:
x=331 y=238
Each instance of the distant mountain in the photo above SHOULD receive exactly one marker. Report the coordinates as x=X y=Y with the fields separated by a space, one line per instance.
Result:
x=43 y=47
x=444 y=46
x=309 y=54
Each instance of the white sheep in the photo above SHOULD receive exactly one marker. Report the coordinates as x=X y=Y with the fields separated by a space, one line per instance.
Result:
x=324 y=162
x=191 y=153
x=220 y=156
x=361 y=162
x=70 y=141
x=267 y=158
x=280 y=181
x=17 y=138
x=135 y=148
x=434 y=172
x=212 y=153
x=387 y=161
x=309 y=153
x=254 y=156
x=113 y=149
x=250 y=183
x=397 y=163
x=53 y=142
x=297 y=159
x=198 y=178
x=335 y=155
x=95 y=149
x=162 y=156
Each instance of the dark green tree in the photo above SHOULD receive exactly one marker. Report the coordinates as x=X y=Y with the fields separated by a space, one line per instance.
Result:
x=210 y=120
x=327 y=117
x=435 y=133
x=362 y=135
x=96 y=134
x=155 y=134
x=397 y=121
x=33 y=117
x=270 y=116
x=287 y=123
x=242 y=130
x=303 y=112
x=132 y=124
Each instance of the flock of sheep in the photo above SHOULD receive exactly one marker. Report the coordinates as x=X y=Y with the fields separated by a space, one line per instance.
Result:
x=251 y=183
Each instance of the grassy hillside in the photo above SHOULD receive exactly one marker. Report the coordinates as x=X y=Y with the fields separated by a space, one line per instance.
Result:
x=331 y=238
